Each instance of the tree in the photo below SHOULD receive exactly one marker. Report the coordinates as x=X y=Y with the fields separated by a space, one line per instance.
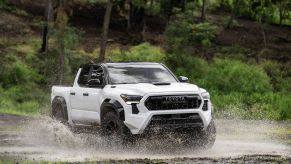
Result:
x=61 y=23
x=106 y=22
x=128 y=6
x=284 y=7
x=264 y=13
x=47 y=26
x=167 y=8
x=233 y=12
x=203 y=10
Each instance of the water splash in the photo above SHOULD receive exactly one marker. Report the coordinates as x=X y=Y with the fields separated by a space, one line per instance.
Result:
x=47 y=139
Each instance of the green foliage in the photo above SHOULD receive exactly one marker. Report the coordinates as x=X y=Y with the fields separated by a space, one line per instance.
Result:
x=142 y=52
x=20 y=91
x=229 y=75
x=245 y=9
x=233 y=52
x=270 y=105
x=239 y=90
x=183 y=32
x=231 y=23
x=225 y=75
x=49 y=65
x=204 y=33
x=239 y=86
x=280 y=79
x=17 y=73
x=262 y=10
x=284 y=11
x=5 y=5
x=26 y=75
x=178 y=33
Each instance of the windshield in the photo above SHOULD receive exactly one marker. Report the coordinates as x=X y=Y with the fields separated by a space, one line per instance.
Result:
x=130 y=74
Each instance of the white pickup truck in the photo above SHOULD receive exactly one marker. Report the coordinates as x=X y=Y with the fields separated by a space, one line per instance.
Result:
x=131 y=98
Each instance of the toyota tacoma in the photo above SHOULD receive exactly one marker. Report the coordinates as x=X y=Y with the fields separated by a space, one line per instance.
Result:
x=131 y=98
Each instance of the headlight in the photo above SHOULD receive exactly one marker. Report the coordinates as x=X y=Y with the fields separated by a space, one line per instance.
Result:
x=131 y=99
x=205 y=95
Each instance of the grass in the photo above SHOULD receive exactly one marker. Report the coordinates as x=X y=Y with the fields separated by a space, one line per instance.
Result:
x=30 y=108
x=20 y=113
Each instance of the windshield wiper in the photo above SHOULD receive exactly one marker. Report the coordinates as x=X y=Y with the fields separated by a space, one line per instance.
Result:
x=161 y=83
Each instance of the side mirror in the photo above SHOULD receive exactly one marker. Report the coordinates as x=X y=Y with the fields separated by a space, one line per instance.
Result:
x=94 y=82
x=183 y=79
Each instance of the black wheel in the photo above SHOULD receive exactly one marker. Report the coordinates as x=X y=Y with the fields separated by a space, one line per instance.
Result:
x=114 y=129
x=199 y=138
x=59 y=110
x=207 y=137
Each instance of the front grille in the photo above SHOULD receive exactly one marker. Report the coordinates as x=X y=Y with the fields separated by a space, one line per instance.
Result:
x=178 y=120
x=173 y=102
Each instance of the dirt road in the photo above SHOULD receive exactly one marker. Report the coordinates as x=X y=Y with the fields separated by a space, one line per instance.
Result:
x=43 y=139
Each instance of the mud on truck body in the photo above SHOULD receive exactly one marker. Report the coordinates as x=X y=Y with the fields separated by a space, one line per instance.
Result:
x=131 y=98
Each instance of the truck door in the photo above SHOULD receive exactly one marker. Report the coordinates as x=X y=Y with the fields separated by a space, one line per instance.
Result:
x=85 y=97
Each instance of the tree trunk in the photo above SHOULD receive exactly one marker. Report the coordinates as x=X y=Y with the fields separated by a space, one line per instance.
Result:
x=144 y=29
x=61 y=23
x=61 y=61
x=221 y=4
x=47 y=26
x=129 y=6
x=105 y=31
x=264 y=35
x=203 y=10
x=233 y=11
x=169 y=11
x=280 y=14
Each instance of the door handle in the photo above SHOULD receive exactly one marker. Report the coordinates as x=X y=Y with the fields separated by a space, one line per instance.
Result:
x=85 y=94
x=73 y=93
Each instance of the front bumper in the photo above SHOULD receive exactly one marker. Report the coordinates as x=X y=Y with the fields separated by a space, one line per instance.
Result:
x=137 y=123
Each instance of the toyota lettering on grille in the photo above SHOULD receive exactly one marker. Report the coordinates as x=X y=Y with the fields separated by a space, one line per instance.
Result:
x=175 y=98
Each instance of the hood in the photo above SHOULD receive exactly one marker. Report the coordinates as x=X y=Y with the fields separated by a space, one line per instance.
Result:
x=144 y=88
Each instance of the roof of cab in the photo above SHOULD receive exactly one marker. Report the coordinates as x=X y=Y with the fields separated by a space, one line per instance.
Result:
x=130 y=63
x=119 y=64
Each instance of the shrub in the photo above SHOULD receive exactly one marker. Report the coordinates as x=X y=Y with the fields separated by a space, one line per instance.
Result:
x=178 y=34
x=238 y=90
x=142 y=52
x=204 y=33
x=230 y=23
x=226 y=75
x=18 y=100
x=193 y=68
x=278 y=74
x=17 y=73
x=233 y=52
x=184 y=32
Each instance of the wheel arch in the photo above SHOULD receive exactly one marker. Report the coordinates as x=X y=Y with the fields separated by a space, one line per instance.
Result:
x=112 y=105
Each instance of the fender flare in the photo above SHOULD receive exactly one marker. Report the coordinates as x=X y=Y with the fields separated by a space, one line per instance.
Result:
x=111 y=104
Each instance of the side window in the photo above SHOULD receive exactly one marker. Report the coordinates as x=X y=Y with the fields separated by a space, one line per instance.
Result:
x=97 y=72
x=84 y=77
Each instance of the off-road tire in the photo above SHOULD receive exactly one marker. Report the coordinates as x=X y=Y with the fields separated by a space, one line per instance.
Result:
x=206 y=138
x=112 y=128
x=198 y=137
x=59 y=110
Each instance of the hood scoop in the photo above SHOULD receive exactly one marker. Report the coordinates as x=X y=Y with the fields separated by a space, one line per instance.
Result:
x=162 y=83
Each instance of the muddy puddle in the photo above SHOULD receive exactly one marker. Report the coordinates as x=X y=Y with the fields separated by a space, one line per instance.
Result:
x=47 y=140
